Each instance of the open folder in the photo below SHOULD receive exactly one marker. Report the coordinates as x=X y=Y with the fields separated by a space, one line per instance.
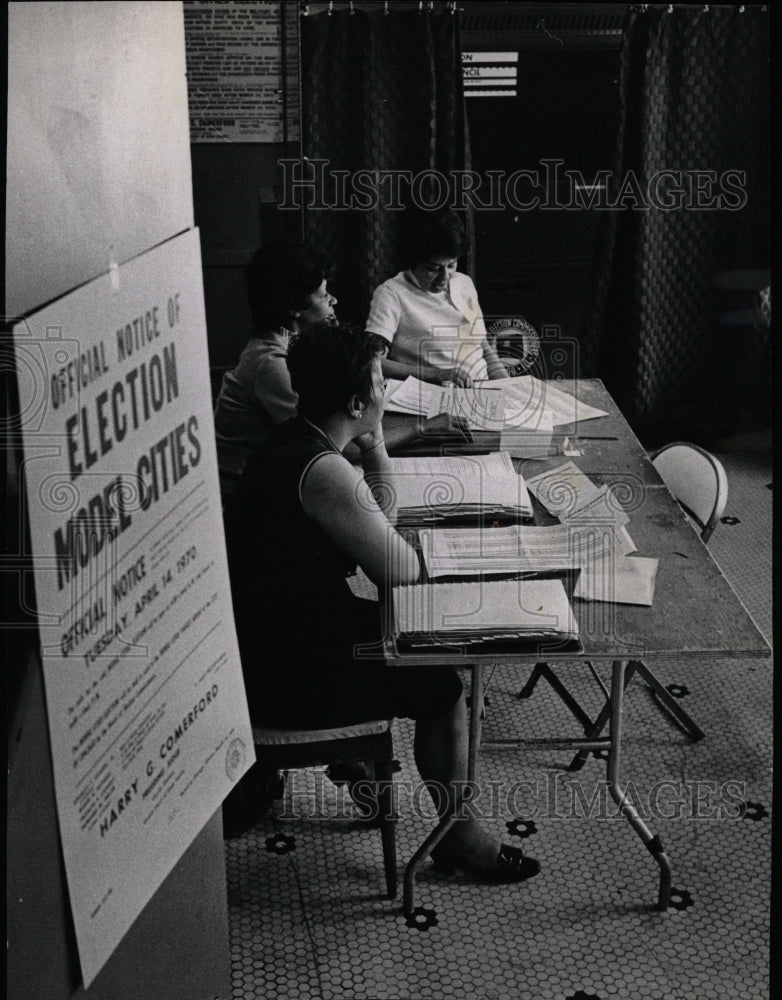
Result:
x=439 y=489
x=482 y=613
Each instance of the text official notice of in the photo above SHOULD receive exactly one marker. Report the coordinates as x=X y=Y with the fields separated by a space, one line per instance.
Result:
x=145 y=699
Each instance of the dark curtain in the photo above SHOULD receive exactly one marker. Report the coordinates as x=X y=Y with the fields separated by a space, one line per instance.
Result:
x=380 y=92
x=674 y=326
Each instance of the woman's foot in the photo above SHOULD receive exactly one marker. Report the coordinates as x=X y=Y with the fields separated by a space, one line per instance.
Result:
x=468 y=846
x=509 y=865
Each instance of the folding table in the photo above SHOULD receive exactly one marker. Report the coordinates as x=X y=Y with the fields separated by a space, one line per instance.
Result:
x=695 y=613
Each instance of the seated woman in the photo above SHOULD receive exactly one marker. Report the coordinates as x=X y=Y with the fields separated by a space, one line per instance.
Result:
x=287 y=291
x=303 y=517
x=430 y=313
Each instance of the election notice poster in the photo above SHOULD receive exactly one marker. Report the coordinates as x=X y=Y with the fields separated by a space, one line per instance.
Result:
x=145 y=700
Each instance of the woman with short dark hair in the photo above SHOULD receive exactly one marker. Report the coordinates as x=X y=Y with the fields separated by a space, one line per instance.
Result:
x=287 y=291
x=300 y=520
x=429 y=312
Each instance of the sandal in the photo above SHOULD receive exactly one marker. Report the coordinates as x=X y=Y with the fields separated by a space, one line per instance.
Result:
x=511 y=865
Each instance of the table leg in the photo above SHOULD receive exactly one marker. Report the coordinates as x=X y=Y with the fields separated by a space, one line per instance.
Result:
x=476 y=711
x=652 y=841
x=445 y=824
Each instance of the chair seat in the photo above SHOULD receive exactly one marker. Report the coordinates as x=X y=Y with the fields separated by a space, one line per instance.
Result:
x=371 y=742
x=269 y=737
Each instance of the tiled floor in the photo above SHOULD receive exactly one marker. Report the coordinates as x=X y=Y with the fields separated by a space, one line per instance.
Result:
x=310 y=921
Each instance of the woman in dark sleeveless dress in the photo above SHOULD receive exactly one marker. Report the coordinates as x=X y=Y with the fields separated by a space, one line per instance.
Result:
x=301 y=519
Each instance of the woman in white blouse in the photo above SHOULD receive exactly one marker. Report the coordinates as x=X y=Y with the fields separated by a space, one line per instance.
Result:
x=429 y=312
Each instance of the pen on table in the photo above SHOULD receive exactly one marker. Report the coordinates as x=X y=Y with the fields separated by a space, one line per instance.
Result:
x=585 y=437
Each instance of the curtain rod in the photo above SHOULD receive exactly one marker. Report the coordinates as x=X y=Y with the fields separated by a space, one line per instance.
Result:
x=379 y=6
x=643 y=8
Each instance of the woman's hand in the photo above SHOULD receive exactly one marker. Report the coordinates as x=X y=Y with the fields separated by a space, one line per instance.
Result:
x=444 y=424
x=440 y=376
x=370 y=440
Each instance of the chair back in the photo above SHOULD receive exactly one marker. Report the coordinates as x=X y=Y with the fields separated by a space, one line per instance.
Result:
x=696 y=479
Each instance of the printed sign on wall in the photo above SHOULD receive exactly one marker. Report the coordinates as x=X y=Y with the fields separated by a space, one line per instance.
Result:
x=145 y=699
x=241 y=60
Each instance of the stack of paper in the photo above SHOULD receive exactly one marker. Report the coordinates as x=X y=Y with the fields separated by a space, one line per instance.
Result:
x=435 y=489
x=517 y=549
x=482 y=613
x=481 y=407
x=524 y=410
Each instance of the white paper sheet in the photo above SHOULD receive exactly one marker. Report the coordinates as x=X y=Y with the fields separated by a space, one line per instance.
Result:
x=533 y=395
x=488 y=607
x=624 y=580
x=481 y=407
x=514 y=549
x=429 y=482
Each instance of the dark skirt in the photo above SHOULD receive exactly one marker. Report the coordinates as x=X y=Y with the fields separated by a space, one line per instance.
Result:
x=323 y=667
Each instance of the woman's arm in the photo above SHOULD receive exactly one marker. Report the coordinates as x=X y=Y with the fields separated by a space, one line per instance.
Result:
x=273 y=390
x=494 y=366
x=340 y=499
x=426 y=373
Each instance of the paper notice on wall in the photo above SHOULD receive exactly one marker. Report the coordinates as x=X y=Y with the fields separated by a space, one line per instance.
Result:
x=242 y=70
x=145 y=700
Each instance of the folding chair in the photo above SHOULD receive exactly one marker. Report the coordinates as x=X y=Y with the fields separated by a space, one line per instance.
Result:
x=698 y=482
x=293 y=749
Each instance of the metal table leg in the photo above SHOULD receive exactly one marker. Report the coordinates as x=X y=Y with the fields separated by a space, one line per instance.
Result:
x=652 y=841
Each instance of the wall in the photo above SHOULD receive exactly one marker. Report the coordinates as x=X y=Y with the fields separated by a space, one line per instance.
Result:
x=243 y=82
x=98 y=153
x=235 y=190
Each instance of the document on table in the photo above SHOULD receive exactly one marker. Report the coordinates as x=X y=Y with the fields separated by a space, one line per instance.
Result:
x=534 y=439
x=435 y=487
x=481 y=407
x=520 y=402
x=625 y=580
x=518 y=549
x=411 y=396
x=569 y=495
x=528 y=395
x=479 y=612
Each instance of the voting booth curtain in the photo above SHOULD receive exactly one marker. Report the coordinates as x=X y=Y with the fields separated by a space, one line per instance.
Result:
x=379 y=92
x=676 y=325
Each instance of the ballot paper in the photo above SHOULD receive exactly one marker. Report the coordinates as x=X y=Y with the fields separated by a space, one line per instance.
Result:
x=482 y=612
x=436 y=488
x=570 y=495
x=411 y=396
x=519 y=549
x=522 y=402
x=481 y=407
x=527 y=396
x=624 y=580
